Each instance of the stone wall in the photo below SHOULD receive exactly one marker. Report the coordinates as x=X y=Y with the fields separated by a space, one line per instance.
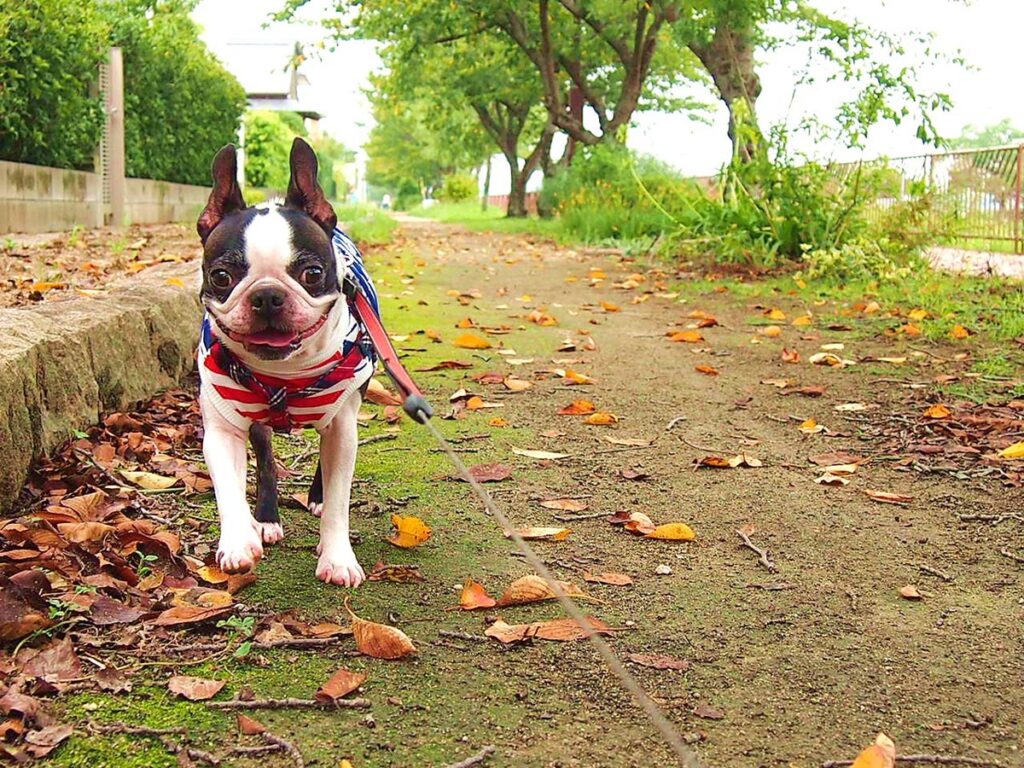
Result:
x=62 y=363
x=35 y=198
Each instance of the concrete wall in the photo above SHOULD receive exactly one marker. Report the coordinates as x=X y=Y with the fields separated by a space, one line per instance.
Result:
x=34 y=198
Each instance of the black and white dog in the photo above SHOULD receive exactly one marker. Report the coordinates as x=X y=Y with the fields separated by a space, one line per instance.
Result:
x=280 y=350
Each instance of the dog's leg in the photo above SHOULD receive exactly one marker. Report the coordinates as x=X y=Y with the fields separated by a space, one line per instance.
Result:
x=315 y=498
x=268 y=522
x=240 y=547
x=338 y=444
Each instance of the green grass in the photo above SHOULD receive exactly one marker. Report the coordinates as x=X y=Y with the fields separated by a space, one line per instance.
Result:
x=470 y=215
x=366 y=224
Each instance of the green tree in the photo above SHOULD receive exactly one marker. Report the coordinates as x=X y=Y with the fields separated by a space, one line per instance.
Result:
x=995 y=135
x=50 y=52
x=268 y=141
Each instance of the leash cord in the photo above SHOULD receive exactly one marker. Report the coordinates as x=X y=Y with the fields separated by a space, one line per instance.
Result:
x=685 y=755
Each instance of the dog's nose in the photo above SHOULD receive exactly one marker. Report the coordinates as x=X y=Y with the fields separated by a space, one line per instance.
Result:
x=267 y=302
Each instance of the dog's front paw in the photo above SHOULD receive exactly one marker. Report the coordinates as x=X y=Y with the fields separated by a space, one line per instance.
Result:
x=270 y=533
x=339 y=566
x=239 y=551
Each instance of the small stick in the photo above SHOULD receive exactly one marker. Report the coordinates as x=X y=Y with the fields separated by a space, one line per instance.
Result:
x=994 y=519
x=673 y=423
x=1005 y=551
x=261 y=750
x=461 y=635
x=287 y=747
x=478 y=759
x=573 y=518
x=377 y=438
x=289 y=704
x=701 y=447
x=938 y=759
x=762 y=554
x=935 y=572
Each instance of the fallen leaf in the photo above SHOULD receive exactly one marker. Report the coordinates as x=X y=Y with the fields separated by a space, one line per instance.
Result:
x=379 y=640
x=917 y=314
x=607 y=306
x=938 y=411
x=194 y=688
x=790 y=355
x=601 y=418
x=611 y=578
x=179 y=615
x=775 y=314
x=489 y=473
x=445 y=365
x=471 y=341
x=1015 y=451
x=803 y=320
x=707 y=712
x=959 y=332
x=633 y=442
x=559 y=630
x=541 y=533
x=249 y=727
x=474 y=596
x=811 y=427
x=564 y=505
x=830 y=479
x=533 y=589
x=149 y=480
x=578 y=408
x=885 y=497
x=707 y=370
x=851 y=407
x=639 y=523
x=517 y=385
x=771 y=331
x=410 y=531
x=687 y=337
x=910 y=330
x=673 y=532
x=402 y=573
x=340 y=684
x=910 y=592
x=836 y=457
x=658 y=661
x=541 y=455
x=42 y=742
x=881 y=754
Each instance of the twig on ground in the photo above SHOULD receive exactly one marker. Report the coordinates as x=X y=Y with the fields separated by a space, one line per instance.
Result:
x=994 y=519
x=935 y=572
x=702 y=447
x=762 y=554
x=289 y=704
x=673 y=423
x=287 y=747
x=461 y=635
x=937 y=357
x=378 y=438
x=478 y=759
x=574 y=518
x=937 y=759
x=1005 y=551
x=263 y=749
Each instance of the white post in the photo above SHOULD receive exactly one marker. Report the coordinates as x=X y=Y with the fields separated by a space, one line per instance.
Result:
x=116 y=164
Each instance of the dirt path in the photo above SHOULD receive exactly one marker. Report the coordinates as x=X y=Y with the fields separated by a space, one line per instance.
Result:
x=793 y=666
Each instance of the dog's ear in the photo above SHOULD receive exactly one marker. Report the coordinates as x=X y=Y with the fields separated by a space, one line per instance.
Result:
x=226 y=196
x=304 y=192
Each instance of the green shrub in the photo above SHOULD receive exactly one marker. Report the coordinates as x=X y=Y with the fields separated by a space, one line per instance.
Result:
x=366 y=224
x=181 y=105
x=268 y=143
x=50 y=52
x=458 y=187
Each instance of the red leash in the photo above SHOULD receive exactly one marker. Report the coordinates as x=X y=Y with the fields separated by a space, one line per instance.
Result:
x=415 y=404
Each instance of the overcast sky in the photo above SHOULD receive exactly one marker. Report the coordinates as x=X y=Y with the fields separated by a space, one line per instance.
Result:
x=987 y=32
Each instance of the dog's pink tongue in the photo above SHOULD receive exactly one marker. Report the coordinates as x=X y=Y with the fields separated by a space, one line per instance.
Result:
x=271 y=338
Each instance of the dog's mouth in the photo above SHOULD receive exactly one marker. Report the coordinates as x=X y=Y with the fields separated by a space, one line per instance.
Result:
x=273 y=340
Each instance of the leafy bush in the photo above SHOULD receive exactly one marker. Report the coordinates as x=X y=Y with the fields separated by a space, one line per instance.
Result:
x=181 y=105
x=458 y=187
x=366 y=224
x=50 y=51
x=268 y=142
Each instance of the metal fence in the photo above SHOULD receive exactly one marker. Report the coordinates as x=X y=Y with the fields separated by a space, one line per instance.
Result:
x=974 y=194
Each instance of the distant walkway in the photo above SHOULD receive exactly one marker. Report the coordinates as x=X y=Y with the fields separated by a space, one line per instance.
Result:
x=977 y=262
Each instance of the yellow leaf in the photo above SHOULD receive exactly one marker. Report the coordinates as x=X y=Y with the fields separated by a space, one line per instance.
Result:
x=881 y=754
x=918 y=314
x=465 y=323
x=1015 y=451
x=177 y=282
x=472 y=341
x=497 y=421
x=689 y=337
x=601 y=418
x=775 y=314
x=707 y=370
x=910 y=329
x=938 y=411
x=410 y=531
x=959 y=332
x=802 y=320
x=673 y=532
x=578 y=408
x=540 y=533
x=811 y=427
x=607 y=306
x=149 y=480
x=771 y=331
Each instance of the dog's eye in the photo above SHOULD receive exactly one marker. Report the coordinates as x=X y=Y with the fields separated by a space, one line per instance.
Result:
x=312 y=276
x=221 y=279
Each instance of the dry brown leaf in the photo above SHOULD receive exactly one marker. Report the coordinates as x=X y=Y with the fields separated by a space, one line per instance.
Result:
x=564 y=505
x=194 y=688
x=379 y=640
x=639 y=523
x=474 y=596
x=559 y=630
x=578 y=408
x=540 y=533
x=881 y=754
x=687 y=337
x=609 y=577
x=340 y=684
x=707 y=370
x=885 y=497
x=249 y=727
x=910 y=592
x=601 y=418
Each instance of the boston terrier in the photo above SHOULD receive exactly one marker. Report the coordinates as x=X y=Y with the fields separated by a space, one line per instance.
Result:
x=279 y=350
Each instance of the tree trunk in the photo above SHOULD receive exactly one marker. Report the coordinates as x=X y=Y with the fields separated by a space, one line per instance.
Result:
x=729 y=59
x=517 y=191
x=487 y=185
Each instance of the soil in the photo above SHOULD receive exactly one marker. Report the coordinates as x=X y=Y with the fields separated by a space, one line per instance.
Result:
x=788 y=667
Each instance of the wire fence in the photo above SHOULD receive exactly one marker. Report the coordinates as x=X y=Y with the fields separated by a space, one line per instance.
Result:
x=974 y=195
